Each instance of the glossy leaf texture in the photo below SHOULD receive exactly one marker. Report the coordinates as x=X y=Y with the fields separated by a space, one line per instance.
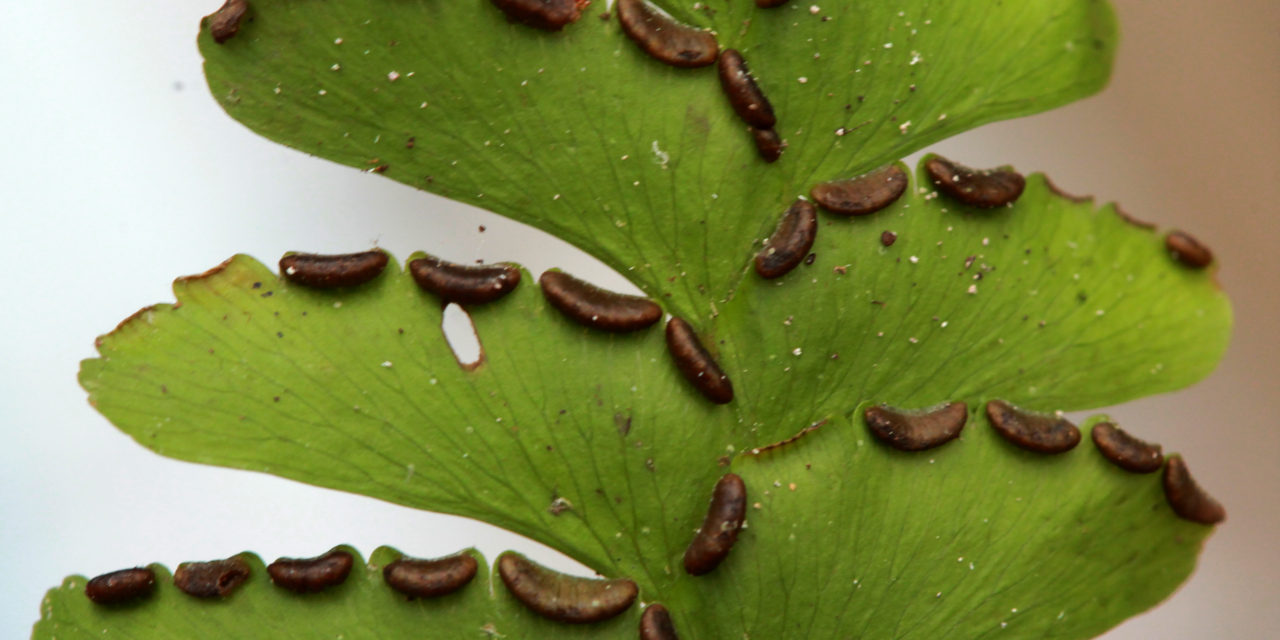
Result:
x=643 y=165
x=363 y=607
x=356 y=389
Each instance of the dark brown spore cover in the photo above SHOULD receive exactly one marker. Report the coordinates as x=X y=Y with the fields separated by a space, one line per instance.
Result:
x=309 y=575
x=790 y=242
x=665 y=38
x=598 y=308
x=720 y=528
x=985 y=189
x=1032 y=431
x=225 y=22
x=561 y=597
x=331 y=271
x=697 y=366
x=464 y=284
x=917 y=430
x=121 y=586
x=748 y=101
x=419 y=578
x=768 y=143
x=655 y=624
x=1126 y=451
x=863 y=195
x=1186 y=497
x=213 y=579
x=549 y=15
x=1187 y=250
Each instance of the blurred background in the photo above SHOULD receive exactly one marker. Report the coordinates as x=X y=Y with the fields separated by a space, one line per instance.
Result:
x=119 y=172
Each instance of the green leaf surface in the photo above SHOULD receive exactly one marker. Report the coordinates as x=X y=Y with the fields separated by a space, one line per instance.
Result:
x=643 y=165
x=1049 y=302
x=978 y=539
x=356 y=389
x=363 y=607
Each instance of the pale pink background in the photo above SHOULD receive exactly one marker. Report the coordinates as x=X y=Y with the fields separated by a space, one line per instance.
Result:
x=119 y=173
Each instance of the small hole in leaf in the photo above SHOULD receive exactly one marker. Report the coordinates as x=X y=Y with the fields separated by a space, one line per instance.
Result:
x=460 y=333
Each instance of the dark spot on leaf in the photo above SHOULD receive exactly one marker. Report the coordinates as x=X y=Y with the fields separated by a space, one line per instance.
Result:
x=623 y=423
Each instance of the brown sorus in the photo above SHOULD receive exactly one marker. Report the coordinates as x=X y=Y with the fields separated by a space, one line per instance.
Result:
x=551 y=15
x=225 y=22
x=768 y=144
x=887 y=238
x=655 y=624
x=331 y=271
x=790 y=242
x=719 y=530
x=769 y=4
x=863 y=195
x=698 y=367
x=664 y=37
x=121 y=586
x=1032 y=431
x=598 y=308
x=985 y=189
x=1188 y=250
x=419 y=578
x=1124 y=450
x=213 y=579
x=746 y=97
x=917 y=430
x=1186 y=497
x=308 y=575
x=464 y=284
x=562 y=597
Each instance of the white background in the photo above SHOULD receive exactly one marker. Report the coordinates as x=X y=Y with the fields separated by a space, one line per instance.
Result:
x=118 y=172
